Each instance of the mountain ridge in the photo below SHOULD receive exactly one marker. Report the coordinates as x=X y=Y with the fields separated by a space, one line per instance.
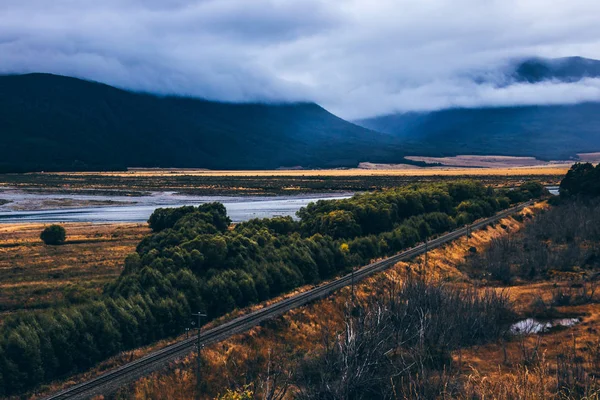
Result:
x=565 y=69
x=53 y=122
x=543 y=131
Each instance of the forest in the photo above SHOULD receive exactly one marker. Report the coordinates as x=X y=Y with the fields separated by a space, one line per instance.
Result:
x=196 y=260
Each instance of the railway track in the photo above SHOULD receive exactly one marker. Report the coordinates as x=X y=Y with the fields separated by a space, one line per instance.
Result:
x=112 y=380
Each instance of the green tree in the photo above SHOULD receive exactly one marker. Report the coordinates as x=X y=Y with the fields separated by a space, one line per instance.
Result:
x=339 y=224
x=581 y=180
x=54 y=235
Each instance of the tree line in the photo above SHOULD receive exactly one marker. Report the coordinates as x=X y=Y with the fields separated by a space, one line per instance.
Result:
x=582 y=180
x=563 y=238
x=195 y=260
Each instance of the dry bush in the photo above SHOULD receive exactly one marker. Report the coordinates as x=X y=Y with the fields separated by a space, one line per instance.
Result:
x=399 y=345
x=525 y=383
x=563 y=379
x=564 y=238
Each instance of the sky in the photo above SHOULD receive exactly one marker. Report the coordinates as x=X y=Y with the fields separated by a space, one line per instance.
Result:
x=357 y=58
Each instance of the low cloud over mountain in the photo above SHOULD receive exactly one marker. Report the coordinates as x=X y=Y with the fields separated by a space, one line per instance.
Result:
x=355 y=57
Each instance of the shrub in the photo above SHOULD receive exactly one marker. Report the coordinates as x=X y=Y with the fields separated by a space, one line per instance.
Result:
x=54 y=235
x=401 y=342
x=561 y=240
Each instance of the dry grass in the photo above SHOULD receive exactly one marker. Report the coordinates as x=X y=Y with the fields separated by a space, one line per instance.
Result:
x=494 y=359
x=563 y=364
x=488 y=161
x=274 y=182
x=546 y=169
x=33 y=275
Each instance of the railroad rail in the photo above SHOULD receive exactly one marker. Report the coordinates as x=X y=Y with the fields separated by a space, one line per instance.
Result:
x=110 y=381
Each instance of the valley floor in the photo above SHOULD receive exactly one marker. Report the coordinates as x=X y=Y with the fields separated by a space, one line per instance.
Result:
x=34 y=276
x=525 y=366
x=139 y=182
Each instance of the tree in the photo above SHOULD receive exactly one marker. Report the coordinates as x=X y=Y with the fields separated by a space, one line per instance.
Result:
x=54 y=235
x=581 y=180
x=339 y=224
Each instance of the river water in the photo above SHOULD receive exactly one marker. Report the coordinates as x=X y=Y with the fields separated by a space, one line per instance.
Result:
x=138 y=209
x=27 y=206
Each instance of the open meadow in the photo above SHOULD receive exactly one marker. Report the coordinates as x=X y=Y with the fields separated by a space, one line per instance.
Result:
x=34 y=275
x=273 y=182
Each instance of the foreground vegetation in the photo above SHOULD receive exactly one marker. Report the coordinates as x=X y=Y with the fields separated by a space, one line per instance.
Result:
x=194 y=260
x=397 y=345
x=563 y=240
x=409 y=336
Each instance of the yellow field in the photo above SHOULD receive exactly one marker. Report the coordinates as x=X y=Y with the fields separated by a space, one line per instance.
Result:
x=551 y=169
x=33 y=275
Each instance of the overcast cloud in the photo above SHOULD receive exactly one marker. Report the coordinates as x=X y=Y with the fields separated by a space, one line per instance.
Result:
x=357 y=58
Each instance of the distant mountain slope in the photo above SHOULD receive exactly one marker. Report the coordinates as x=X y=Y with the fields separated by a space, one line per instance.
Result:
x=50 y=122
x=567 y=69
x=546 y=132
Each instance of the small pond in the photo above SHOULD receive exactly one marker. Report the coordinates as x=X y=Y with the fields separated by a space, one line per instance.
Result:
x=531 y=325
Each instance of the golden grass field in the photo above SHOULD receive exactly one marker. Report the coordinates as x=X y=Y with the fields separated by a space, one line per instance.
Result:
x=546 y=169
x=137 y=182
x=33 y=275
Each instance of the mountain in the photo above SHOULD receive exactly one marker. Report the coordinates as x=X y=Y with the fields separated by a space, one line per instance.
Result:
x=567 y=69
x=50 y=122
x=546 y=132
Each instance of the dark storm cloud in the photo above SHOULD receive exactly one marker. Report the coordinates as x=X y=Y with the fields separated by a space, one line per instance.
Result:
x=357 y=58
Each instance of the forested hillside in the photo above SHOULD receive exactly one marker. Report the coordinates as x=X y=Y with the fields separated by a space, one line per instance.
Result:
x=53 y=122
x=566 y=69
x=546 y=132
x=195 y=261
x=543 y=131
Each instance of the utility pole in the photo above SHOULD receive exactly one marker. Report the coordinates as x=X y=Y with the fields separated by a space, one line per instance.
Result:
x=267 y=394
x=198 y=346
x=426 y=252
x=352 y=286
